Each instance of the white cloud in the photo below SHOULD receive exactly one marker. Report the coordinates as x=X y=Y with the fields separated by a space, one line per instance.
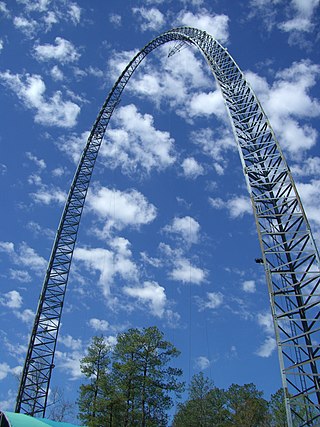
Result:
x=191 y=168
x=308 y=167
x=302 y=12
x=215 y=25
x=27 y=316
x=215 y=144
x=20 y=275
x=99 y=324
x=50 y=19
x=236 y=205
x=249 y=286
x=168 y=83
x=202 y=363
x=266 y=322
x=74 y=148
x=184 y=271
x=155 y=262
x=7 y=247
x=36 y=5
x=151 y=19
x=187 y=227
x=11 y=299
x=121 y=209
x=40 y=163
x=63 y=51
x=300 y=17
x=152 y=294
x=288 y=102
x=74 y=13
x=310 y=196
x=4 y=370
x=215 y=299
x=56 y=73
x=30 y=89
x=48 y=195
x=115 y=19
x=3 y=9
x=70 y=342
x=26 y=26
x=70 y=363
x=267 y=348
x=109 y=263
x=24 y=256
x=133 y=142
x=206 y=104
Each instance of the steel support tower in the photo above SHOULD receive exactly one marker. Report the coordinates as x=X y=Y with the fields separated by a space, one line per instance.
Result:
x=289 y=253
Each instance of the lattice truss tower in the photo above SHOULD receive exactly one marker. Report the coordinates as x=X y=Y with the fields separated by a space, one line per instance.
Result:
x=289 y=253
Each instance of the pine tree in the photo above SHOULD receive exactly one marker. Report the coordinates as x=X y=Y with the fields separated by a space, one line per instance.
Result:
x=92 y=399
x=141 y=359
x=205 y=406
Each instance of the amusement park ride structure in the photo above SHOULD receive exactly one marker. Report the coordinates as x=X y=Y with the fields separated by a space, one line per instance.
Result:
x=289 y=253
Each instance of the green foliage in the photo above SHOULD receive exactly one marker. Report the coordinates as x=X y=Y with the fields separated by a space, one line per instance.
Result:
x=278 y=409
x=134 y=386
x=210 y=406
x=94 y=366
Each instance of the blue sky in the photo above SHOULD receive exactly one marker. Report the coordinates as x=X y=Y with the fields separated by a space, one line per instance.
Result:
x=167 y=236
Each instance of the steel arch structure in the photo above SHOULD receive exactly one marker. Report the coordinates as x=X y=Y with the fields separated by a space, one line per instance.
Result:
x=289 y=253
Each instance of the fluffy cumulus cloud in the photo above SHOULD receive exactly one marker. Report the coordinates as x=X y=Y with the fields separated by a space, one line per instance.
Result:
x=115 y=19
x=27 y=26
x=120 y=209
x=151 y=294
x=24 y=256
x=99 y=324
x=265 y=321
x=302 y=13
x=182 y=86
x=11 y=299
x=109 y=263
x=150 y=19
x=185 y=227
x=300 y=17
x=215 y=144
x=288 y=102
x=249 y=286
x=237 y=206
x=49 y=111
x=191 y=168
x=310 y=195
x=70 y=342
x=208 y=103
x=202 y=363
x=134 y=143
x=215 y=25
x=45 y=194
x=62 y=51
x=267 y=348
x=69 y=362
x=26 y=316
x=212 y=301
x=183 y=271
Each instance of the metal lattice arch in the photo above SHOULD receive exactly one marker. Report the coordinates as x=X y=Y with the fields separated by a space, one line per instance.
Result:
x=289 y=253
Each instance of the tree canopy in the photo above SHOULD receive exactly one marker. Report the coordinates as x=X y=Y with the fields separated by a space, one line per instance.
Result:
x=133 y=384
